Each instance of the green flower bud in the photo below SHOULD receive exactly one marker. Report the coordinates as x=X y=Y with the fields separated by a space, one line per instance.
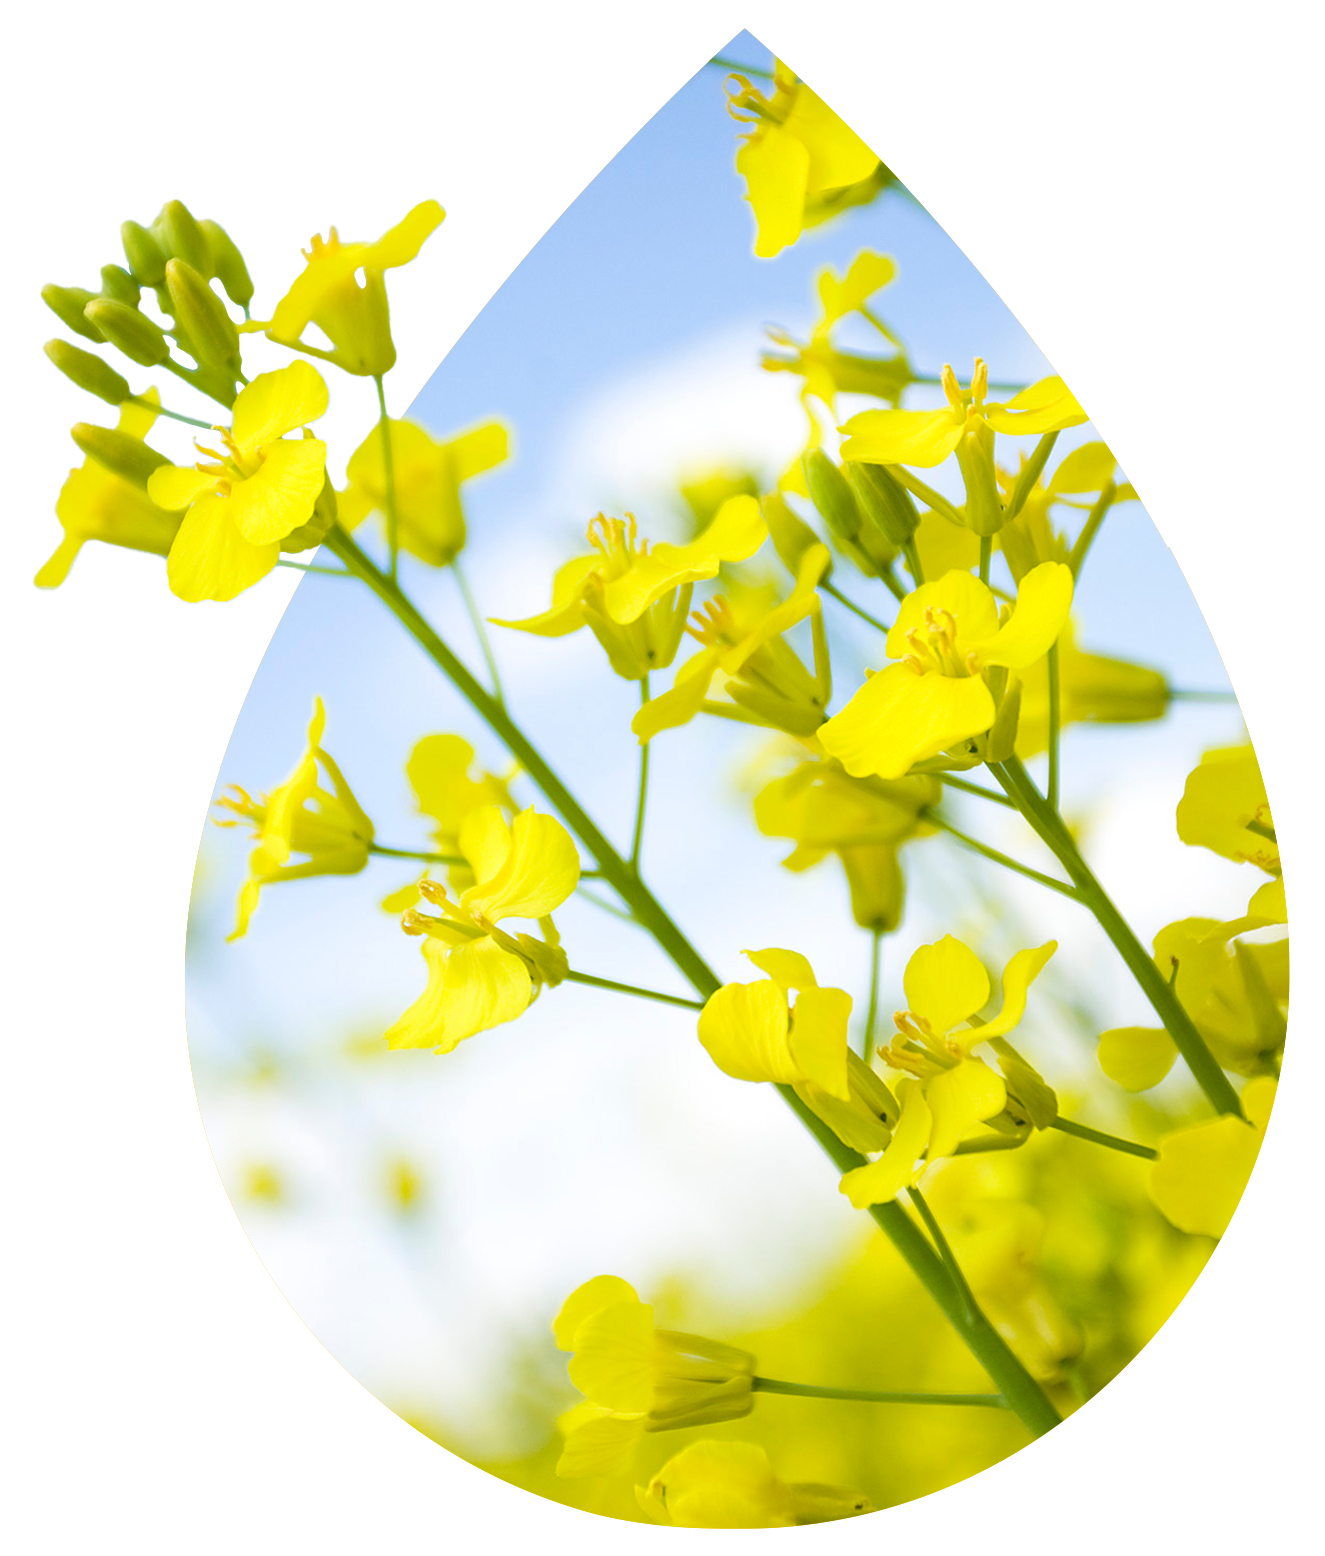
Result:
x=131 y=332
x=1002 y=744
x=206 y=330
x=228 y=264
x=180 y=237
x=144 y=254
x=116 y=282
x=975 y=455
x=831 y=495
x=67 y=304
x=121 y=454
x=792 y=537
x=88 y=372
x=884 y=499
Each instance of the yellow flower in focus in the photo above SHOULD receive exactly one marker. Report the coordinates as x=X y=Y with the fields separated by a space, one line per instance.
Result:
x=948 y=1091
x=428 y=475
x=97 y=504
x=637 y=1378
x=946 y=634
x=800 y=162
x=479 y=976
x=354 y=318
x=731 y=1485
x=1201 y=1172
x=300 y=817
x=260 y=489
x=1224 y=808
x=1235 y=991
x=1092 y=689
x=634 y=596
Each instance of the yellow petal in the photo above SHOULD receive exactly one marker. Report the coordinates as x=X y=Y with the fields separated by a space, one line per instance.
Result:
x=175 y=486
x=1089 y=468
x=894 y=1171
x=1201 y=1172
x=945 y=983
x=614 y=1357
x=567 y=612
x=776 y=169
x=420 y=1026
x=402 y=242
x=1022 y=971
x=899 y=718
x=721 y=1485
x=736 y=533
x=1137 y=1058
x=788 y=969
x=818 y=1039
x=479 y=449
x=485 y=840
x=922 y=438
x=482 y=987
x=971 y=604
x=1046 y=406
x=597 y=1441
x=838 y=156
x=682 y=702
x=960 y=1098
x=1044 y=602
x=210 y=559
x=1225 y=792
x=744 y=1027
x=867 y=273
x=1268 y=902
x=279 y=496
x=276 y=403
x=540 y=870
x=601 y=1291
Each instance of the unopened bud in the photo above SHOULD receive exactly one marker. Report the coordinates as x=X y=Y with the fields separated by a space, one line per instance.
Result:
x=121 y=454
x=228 y=264
x=144 y=254
x=792 y=537
x=831 y=495
x=884 y=500
x=180 y=237
x=116 y=282
x=206 y=329
x=1003 y=735
x=67 y=304
x=88 y=372
x=131 y=332
x=983 y=510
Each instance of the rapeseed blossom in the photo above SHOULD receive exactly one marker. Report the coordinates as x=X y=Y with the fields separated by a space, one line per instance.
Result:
x=1224 y=808
x=731 y=1485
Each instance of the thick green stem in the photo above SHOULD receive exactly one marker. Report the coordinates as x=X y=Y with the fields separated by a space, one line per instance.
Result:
x=1022 y=1392
x=1098 y=1137
x=1049 y=827
x=641 y=799
x=388 y=479
x=873 y=1396
x=986 y=556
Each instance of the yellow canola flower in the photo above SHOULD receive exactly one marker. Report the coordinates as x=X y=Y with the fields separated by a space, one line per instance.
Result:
x=1224 y=808
x=637 y=1378
x=261 y=487
x=800 y=162
x=947 y=633
x=634 y=596
x=428 y=475
x=741 y=640
x=731 y=1485
x=1092 y=689
x=948 y=1090
x=97 y=504
x=299 y=816
x=353 y=317
x=926 y=438
x=479 y=976
x=1201 y=1172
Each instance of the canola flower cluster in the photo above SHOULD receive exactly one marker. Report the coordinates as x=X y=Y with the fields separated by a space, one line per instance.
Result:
x=969 y=673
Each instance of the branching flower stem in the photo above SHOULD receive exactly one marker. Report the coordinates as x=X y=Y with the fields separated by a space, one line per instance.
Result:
x=872 y=1396
x=1099 y=1137
x=1023 y=1394
x=634 y=988
x=835 y=593
x=637 y=841
x=1008 y=863
x=480 y=630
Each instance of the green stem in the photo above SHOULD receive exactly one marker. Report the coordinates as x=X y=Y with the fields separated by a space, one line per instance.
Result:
x=1005 y=860
x=632 y=988
x=836 y=593
x=927 y=494
x=1098 y=1137
x=986 y=556
x=723 y=63
x=1055 y=726
x=1000 y=388
x=607 y=907
x=414 y=853
x=974 y=788
x=160 y=410
x=388 y=479
x=1178 y=695
x=873 y=1396
x=642 y=797
x=480 y=631
x=872 y=1017
x=1048 y=826
x=1030 y=474
x=312 y=567
x=944 y=1247
x=1090 y=529
x=1022 y=1392
x=1261 y=830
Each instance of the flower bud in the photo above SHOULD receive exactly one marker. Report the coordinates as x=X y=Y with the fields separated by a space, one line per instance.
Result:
x=180 y=237
x=88 y=372
x=67 y=304
x=144 y=254
x=228 y=264
x=206 y=329
x=116 y=282
x=1002 y=744
x=121 y=454
x=831 y=495
x=128 y=330
x=792 y=537
x=975 y=455
x=884 y=499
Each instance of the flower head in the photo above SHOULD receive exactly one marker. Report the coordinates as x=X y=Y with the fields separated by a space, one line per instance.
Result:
x=1224 y=808
x=299 y=816
x=637 y=1378
x=256 y=490
x=479 y=976
x=946 y=635
x=731 y=1485
x=353 y=317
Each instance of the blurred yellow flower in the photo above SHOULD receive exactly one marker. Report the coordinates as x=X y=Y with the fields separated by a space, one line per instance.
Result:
x=1092 y=689
x=637 y=1378
x=1224 y=808
x=478 y=975
x=260 y=489
x=427 y=475
x=299 y=816
x=946 y=634
x=1202 y=1171
x=948 y=1090
x=731 y=1485
x=354 y=318
x=635 y=597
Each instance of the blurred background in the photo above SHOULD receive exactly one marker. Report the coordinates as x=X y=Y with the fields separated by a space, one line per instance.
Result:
x=427 y=1215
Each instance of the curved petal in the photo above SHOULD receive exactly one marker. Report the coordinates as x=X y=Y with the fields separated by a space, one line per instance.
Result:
x=1089 y=468
x=176 y=486
x=1044 y=601
x=799 y=604
x=867 y=273
x=921 y=438
x=945 y=983
x=969 y=602
x=1046 y=406
x=1201 y=1172
x=567 y=612
x=613 y=1363
x=279 y=496
x=899 y=718
x=1269 y=903
x=788 y=969
x=420 y=1026
x=482 y=986
x=485 y=841
x=818 y=1039
x=1022 y=971
x=540 y=870
x=736 y=532
x=682 y=702
x=598 y=1441
x=744 y=1027
x=959 y=1099
x=601 y=1291
x=895 y=1170
x=401 y=243
x=276 y=403
x=720 y=1485
x=776 y=170
x=1137 y=1058
x=210 y=559
x=838 y=156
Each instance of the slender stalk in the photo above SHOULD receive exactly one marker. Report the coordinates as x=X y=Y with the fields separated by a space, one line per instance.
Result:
x=1098 y=1137
x=873 y=1396
x=872 y=1017
x=388 y=479
x=986 y=556
x=942 y=1244
x=927 y=494
x=1261 y=830
x=1055 y=725
x=1005 y=860
x=723 y=63
x=836 y=593
x=480 y=631
x=312 y=567
x=160 y=410
x=1090 y=529
x=414 y=853
x=631 y=988
x=1030 y=474
x=607 y=907
x=1177 y=694
x=1020 y=1389
x=643 y=795
x=1000 y=388
x=1016 y=782
x=953 y=782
